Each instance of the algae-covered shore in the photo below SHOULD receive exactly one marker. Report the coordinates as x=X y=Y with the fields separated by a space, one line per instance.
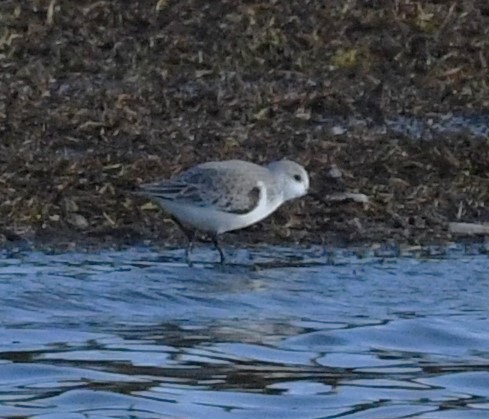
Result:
x=99 y=97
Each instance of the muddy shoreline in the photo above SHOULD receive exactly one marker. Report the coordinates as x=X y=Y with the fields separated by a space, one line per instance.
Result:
x=97 y=98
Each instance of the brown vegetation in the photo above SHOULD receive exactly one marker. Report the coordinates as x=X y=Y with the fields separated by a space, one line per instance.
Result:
x=97 y=97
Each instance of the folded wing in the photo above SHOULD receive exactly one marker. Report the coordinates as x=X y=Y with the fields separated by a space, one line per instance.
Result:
x=225 y=191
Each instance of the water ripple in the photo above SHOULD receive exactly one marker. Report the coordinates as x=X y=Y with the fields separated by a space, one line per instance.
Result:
x=289 y=333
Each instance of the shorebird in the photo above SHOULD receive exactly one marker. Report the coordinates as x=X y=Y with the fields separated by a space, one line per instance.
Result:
x=221 y=196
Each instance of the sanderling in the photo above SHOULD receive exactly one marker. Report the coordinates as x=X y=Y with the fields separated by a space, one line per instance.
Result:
x=221 y=196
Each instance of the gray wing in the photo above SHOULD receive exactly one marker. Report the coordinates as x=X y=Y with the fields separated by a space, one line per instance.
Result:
x=224 y=190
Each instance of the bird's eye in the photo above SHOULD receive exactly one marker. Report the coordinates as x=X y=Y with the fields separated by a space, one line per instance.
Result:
x=298 y=178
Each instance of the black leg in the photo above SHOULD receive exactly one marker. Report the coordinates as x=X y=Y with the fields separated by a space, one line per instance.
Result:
x=215 y=241
x=190 y=239
x=190 y=246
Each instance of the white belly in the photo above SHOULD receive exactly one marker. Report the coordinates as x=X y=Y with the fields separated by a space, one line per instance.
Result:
x=210 y=220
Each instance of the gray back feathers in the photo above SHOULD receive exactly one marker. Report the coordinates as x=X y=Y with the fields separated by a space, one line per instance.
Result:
x=229 y=186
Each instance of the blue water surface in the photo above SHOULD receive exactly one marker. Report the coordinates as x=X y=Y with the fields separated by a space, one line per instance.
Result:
x=284 y=333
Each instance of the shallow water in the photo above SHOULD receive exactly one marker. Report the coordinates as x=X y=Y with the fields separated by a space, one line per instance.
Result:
x=287 y=333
